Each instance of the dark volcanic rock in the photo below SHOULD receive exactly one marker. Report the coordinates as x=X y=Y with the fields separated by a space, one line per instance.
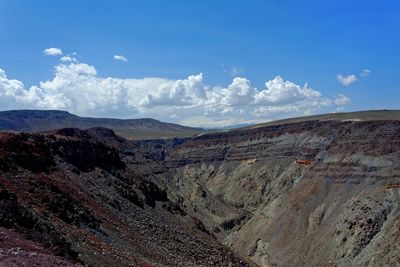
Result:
x=71 y=195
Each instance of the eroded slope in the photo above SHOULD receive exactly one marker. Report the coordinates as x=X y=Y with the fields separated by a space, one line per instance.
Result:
x=304 y=194
x=315 y=193
x=72 y=199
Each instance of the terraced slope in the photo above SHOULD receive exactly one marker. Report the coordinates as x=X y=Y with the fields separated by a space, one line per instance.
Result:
x=311 y=193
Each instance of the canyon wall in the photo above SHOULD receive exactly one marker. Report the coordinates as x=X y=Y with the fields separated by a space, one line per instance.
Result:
x=302 y=194
x=313 y=193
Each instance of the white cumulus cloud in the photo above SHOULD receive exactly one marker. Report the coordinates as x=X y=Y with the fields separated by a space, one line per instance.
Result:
x=281 y=92
x=185 y=92
x=346 y=80
x=77 y=88
x=342 y=100
x=120 y=58
x=52 y=51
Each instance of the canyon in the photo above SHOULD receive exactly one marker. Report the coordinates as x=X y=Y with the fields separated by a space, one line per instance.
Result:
x=310 y=192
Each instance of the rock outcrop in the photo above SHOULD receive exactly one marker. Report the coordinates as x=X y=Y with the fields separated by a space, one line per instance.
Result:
x=70 y=199
x=309 y=193
x=302 y=194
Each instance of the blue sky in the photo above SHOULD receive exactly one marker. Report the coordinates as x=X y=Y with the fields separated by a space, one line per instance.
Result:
x=237 y=46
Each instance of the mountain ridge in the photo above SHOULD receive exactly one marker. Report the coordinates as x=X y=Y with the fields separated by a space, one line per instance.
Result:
x=149 y=128
x=45 y=120
x=363 y=115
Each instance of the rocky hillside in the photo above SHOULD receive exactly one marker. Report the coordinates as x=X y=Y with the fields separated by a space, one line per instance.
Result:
x=68 y=198
x=44 y=120
x=307 y=193
x=311 y=193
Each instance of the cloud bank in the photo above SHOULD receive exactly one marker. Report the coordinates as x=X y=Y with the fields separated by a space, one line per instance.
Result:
x=77 y=88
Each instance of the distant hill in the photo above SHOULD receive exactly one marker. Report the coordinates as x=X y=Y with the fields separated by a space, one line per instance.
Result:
x=368 y=115
x=138 y=129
